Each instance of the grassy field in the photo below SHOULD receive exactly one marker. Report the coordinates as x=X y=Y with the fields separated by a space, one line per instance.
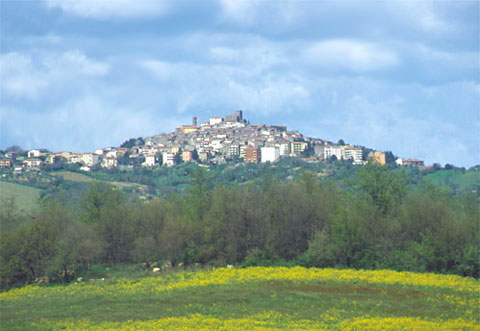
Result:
x=458 y=180
x=76 y=177
x=25 y=197
x=255 y=298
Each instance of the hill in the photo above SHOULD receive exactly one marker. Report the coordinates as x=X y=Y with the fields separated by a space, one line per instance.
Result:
x=458 y=180
x=25 y=197
x=255 y=298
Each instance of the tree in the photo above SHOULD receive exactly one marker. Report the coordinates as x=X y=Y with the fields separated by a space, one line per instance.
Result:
x=383 y=186
x=98 y=197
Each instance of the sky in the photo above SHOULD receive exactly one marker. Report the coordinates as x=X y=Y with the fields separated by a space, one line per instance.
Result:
x=400 y=76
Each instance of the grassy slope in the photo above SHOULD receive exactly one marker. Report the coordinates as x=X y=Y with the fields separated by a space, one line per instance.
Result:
x=465 y=181
x=25 y=197
x=76 y=177
x=251 y=298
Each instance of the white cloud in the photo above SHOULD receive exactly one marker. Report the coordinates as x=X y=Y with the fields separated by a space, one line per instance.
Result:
x=425 y=14
x=160 y=69
x=282 y=13
x=76 y=61
x=27 y=76
x=351 y=55
x=19 y=77
x=243 y=12
x=104 y=9
x=81 y=124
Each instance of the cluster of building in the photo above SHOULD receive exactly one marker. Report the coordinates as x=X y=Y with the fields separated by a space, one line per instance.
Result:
x=215 y=141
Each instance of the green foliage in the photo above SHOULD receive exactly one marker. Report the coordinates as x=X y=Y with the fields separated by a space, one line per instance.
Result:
x=372 y=220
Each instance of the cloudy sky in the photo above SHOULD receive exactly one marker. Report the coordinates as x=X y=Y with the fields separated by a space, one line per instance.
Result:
x=392 y=75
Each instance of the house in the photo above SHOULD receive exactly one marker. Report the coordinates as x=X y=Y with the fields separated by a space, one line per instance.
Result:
x=188 y=128
x=109 y=163
x=5 y=163
x=32 y=163
x=76 y=158
x=90 y=159
x=298 y=147
x=284 y=148
x=328 y=151
x=149 y=161
x=234 y=150
x=215 y=120
x=121 y=152
x=413 y=163
x=252 y=154
x=378 y=157
x=36 y=153
x=353 y=153
x=187 y=156
x=168 y=159
x=17 y=170
x=269 y=154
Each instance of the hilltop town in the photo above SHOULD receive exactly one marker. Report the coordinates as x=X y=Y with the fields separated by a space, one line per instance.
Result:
x=216 y=141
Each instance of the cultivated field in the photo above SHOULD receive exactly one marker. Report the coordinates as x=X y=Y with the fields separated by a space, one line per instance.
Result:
x=255 y=298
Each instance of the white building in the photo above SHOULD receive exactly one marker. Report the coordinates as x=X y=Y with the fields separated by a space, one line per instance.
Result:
x=168 y=159
x=90 y=159
x=149 y=161
x=109 y=162
x=216 y=120
x=284 y=149
x=34 y=153
x=329 y=151
x=269 y=154
x=233 y=150
x=353 y=153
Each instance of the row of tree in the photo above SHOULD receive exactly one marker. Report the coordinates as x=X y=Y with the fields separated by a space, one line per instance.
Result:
x=376 y=221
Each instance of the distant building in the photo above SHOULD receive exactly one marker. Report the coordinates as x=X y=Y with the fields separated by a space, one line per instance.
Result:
x=413 y=163
x=90 y=159
x=32 y=163
x=237 y=117
x=149 y=161
x=187 y=156
x=188 y=128
x=284 y=148
x=330 y=150
x=353 y=153
x=252 y=154
x=36 y=153
x=5 y=163
x=76 y=158
x=168 y=159
x=234 y=150
x=269 y=154
x=378 y=157
x=109 y=163
x=215 y=120
x=298 y=147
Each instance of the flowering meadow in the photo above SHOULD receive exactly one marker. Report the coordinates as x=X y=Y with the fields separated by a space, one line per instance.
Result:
x=254 y=298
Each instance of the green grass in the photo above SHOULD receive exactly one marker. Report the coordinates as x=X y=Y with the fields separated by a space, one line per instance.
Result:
x=81 y=178
x=25 y=197
x=457 y=180
x=323 y=303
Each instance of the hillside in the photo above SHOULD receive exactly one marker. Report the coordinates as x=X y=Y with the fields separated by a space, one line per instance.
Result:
x=25 y=197
x=254 y=298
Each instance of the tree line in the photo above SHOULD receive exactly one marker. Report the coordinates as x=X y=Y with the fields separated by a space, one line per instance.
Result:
x=375 y=221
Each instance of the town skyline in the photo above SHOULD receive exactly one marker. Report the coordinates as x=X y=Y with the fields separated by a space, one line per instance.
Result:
x=398 y=75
